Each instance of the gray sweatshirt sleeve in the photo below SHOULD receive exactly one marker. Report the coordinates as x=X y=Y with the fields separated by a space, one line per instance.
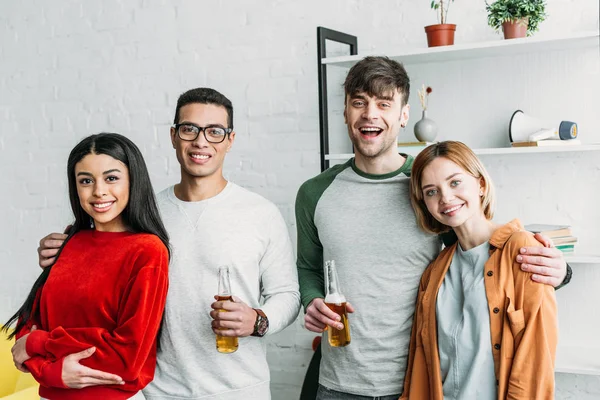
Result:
x=279 y=278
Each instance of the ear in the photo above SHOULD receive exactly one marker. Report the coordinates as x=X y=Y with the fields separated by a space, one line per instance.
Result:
x=231 y=140
x=405 y=115
x=173 y=136
x=482 y=186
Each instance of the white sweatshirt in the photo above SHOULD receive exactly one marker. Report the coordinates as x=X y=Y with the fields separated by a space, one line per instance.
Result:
x=243 y=230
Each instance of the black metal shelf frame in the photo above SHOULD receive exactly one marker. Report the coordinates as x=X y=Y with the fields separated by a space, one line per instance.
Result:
x=324 y=34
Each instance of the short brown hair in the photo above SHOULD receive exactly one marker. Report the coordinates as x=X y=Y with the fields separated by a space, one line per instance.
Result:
x=460 y=154
x=377 y=76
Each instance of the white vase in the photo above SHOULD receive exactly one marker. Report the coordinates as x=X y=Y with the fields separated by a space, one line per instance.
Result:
x=426 y=129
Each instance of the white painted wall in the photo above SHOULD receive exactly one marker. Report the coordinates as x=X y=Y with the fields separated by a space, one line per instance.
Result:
x=68 y=69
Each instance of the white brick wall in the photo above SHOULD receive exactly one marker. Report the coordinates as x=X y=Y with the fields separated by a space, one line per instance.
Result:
x=68 y=69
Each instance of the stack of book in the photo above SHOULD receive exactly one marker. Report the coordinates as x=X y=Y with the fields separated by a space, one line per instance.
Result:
x=561 y=235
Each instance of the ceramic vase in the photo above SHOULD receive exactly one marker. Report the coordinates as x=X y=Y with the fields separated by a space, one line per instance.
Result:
x=426 y=129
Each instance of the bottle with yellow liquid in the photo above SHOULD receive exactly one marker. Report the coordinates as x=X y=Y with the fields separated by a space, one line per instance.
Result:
x=225 y=344
x=336 y=301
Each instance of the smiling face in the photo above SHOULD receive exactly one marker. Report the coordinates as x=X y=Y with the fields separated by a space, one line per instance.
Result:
x=374 y=122
x=200 y=158
x=103 y=190
x=451 y=194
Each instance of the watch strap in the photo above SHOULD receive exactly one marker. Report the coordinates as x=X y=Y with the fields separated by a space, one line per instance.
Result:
x=568 y=277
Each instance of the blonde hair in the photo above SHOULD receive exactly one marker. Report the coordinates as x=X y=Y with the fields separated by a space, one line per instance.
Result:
x=461 y=155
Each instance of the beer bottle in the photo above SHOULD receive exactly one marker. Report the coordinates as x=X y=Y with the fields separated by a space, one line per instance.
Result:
x=225 y=344
x=335 y=300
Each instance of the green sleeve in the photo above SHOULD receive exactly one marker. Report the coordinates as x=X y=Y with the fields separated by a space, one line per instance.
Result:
x=310 y=249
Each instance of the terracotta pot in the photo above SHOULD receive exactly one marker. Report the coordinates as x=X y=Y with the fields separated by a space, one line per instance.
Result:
x=440 y=34
x=515 y=29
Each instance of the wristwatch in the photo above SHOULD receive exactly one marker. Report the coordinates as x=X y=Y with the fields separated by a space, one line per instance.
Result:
x=261 y=326
x=567 y=277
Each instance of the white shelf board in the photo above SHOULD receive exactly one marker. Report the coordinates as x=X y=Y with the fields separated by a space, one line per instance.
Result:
x=543 y=149
x=582 y=259
x=496 y=48
x=577 y=360
x=501 y=150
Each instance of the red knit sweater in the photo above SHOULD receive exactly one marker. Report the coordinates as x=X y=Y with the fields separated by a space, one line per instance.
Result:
x=107 y=290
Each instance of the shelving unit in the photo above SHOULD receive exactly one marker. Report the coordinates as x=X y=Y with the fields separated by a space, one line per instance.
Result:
x=496 y=48
x=578 y=352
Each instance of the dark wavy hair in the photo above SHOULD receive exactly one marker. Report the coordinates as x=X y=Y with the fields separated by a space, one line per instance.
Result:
x=139 y=216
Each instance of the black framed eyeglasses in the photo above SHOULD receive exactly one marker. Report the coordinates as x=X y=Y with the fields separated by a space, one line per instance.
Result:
x=212 y=133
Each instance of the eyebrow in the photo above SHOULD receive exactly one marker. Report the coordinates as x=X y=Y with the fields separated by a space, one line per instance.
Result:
x=448 y=178
x=362 y=97
x=110 y=171
x=198 y=126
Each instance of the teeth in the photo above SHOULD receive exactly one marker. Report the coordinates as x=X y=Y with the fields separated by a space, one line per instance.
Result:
x=370 y=129
x=199 y=156
x=452 y=209
x=102 y=205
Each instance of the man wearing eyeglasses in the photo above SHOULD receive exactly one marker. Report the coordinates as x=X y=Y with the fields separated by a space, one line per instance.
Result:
x=211 y=223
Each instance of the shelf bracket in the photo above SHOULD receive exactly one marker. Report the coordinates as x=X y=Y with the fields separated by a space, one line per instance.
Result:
x=324 y=34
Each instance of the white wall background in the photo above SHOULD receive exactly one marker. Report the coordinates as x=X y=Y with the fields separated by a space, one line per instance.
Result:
x=69 y=69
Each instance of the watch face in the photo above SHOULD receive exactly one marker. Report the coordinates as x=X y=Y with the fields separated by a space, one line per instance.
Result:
x=263 y=325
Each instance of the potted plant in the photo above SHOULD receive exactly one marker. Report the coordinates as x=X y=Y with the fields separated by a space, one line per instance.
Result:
x=518 y=18
x=441 y=34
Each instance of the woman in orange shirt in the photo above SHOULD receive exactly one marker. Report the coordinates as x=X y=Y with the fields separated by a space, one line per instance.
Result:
x=482 y=328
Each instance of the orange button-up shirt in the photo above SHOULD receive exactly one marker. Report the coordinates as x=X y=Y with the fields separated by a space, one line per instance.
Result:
x=523 y=324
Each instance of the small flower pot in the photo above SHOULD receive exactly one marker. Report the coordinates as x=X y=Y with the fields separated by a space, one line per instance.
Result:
x=515 y=29
x=440 y=34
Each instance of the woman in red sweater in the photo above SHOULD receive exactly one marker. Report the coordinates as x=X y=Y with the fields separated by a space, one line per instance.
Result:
x=106 y=291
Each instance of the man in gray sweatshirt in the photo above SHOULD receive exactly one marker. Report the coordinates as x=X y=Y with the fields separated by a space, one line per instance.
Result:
x=211 y=223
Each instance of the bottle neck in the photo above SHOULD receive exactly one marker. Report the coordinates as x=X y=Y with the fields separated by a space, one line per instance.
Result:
x=224 y=282
x=333 y=293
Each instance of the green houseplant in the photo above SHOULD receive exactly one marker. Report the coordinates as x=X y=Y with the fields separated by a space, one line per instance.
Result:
x=518 y=18
x=441 y=34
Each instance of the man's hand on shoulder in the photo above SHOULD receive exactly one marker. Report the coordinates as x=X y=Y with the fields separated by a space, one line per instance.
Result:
x=547 y=264
x=48 y=248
